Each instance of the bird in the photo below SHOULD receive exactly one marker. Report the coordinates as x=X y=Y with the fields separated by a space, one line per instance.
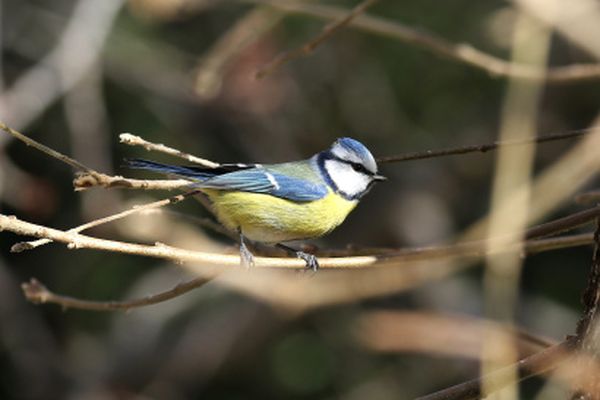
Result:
x=278 y=203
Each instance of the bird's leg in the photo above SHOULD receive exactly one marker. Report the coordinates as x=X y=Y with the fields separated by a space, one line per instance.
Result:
x=246 y=257
x=310 y=259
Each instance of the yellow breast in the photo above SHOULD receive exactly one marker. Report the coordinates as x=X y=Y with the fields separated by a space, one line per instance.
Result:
x=269 y=219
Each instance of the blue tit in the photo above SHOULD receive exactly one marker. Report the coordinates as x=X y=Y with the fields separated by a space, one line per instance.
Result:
x=275 y=203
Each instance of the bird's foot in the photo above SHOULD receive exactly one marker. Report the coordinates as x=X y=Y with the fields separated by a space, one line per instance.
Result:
x=246 y=257
x=310 y=259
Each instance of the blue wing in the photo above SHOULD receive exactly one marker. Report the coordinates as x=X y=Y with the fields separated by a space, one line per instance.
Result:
x=259 y=180
x=242 y=177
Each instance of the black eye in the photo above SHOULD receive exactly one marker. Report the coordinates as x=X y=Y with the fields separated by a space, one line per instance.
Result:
x=360 y=168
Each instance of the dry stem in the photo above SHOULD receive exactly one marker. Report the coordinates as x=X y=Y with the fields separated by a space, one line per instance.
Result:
x=37 y=293
x=484 y=148
x=309 y=47
x=22 y=246
x=460 y=52
x=132 y=140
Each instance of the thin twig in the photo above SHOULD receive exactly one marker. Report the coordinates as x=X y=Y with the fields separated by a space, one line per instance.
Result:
x=543 y=361
x=564 y=224
x=47 y=150
x=37 y=293
x=86 y=181
x=461 y=52
x=132 y=140
x=89 y=177
x=22 y=246
x=329 y=30
x=247 y=30
x=483 y=148
x=533 y=365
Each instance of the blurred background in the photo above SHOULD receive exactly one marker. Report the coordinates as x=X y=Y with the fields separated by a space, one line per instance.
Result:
x=76 y=74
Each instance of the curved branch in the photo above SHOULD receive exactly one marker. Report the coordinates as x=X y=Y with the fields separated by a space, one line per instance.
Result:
x=536 y=364
x=460 y=52
x=37 y=293
x=309 y=47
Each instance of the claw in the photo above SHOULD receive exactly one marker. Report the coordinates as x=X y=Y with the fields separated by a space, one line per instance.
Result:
x=246 y=257
x=310 y=259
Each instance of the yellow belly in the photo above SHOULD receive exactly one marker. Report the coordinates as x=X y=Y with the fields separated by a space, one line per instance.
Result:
x=270 y=219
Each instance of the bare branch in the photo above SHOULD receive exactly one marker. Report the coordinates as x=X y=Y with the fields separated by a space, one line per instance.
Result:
x=159 y=250
x=247 y=30
x=586 y=339
x=132 y=140
x=309 y=47
x=47 y=150
x=465 y=249
x=89 y=177
x=22 y=246
x=536 y=364
x=37 y=293
x=88 y=180
x=483 y=148
x=460 y=52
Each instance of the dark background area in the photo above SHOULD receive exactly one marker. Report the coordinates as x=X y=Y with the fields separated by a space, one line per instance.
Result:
x=217 y=342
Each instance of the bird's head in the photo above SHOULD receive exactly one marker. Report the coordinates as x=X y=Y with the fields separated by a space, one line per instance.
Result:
x=349 y=168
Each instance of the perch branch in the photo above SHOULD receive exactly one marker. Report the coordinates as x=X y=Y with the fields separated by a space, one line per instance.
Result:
x=477 y=248
x=37 y=293
x=460 y=52
x=309 y=47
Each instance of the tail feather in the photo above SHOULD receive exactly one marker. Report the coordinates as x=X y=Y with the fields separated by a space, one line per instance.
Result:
x=188 y=172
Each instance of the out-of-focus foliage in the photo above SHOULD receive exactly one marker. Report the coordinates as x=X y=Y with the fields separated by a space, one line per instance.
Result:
x=214 y=342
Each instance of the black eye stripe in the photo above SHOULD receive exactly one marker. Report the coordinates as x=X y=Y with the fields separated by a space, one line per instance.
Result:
x=358 y=167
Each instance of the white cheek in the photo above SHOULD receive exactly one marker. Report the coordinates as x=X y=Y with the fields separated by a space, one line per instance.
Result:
x=346 y=178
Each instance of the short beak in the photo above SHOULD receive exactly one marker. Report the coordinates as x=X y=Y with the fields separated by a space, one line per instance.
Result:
x=379 y=178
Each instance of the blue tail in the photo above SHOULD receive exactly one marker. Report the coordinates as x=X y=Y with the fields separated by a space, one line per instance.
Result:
x=188 y=172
